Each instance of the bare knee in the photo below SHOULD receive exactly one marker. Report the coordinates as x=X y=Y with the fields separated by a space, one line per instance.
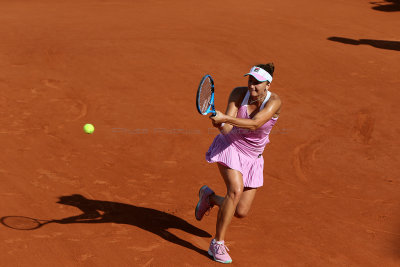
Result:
x=241 y=212
x=235 y=193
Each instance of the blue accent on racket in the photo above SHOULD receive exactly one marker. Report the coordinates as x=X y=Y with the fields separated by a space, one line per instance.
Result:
x=205 y=96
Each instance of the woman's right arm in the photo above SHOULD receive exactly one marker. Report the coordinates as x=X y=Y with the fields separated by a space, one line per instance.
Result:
x=232 y=108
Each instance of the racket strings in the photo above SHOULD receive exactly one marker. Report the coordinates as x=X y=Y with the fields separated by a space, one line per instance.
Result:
x=205 y=95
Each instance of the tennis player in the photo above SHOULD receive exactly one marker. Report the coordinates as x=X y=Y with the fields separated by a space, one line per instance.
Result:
x=250 y=115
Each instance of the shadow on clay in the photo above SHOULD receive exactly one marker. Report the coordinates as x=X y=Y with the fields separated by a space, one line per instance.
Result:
x=382 y=44
x=98 y=211
x=387 y=5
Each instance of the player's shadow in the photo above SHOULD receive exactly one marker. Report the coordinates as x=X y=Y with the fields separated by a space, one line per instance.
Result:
x=155 y=221
x=389 y=45
x=387 y=5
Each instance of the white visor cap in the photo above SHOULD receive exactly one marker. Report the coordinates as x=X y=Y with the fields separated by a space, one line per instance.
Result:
x=260 y=74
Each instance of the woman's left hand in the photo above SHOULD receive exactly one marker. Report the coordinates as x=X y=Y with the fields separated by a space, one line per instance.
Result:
x=218 y=118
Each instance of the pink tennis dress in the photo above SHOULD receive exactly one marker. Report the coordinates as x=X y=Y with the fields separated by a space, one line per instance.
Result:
x=242 y=149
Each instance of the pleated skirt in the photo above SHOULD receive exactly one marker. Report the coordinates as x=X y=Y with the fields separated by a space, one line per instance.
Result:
x=224 y=151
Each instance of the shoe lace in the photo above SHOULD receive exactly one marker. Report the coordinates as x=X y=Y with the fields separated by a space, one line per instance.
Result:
x=220 y=249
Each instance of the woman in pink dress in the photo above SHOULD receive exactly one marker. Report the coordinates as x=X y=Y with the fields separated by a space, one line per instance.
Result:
x=251 y=113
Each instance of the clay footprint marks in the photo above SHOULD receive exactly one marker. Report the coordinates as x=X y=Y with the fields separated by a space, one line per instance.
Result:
x=304 y=156
x=55 y=84
x=73 y=107
x=364 y=126
x=46 y=176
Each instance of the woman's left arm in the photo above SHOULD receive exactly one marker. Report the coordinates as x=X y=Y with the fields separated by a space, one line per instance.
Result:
x=254 y=123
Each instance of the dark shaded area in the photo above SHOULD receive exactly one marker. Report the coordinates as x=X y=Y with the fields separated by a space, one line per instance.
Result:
x=154 y=221
x=389 y=45
x=387 y=5
x=22 y=222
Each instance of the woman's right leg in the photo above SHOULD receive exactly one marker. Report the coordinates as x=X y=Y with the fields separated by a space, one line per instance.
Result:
x=227 y=205
x=244 y=204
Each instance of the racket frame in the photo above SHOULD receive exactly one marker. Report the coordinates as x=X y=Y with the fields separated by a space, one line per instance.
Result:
x=211 y=107
x=38 y=223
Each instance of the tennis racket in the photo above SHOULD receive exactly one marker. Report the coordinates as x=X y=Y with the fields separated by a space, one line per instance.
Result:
x=23 y=223
x=205 y=96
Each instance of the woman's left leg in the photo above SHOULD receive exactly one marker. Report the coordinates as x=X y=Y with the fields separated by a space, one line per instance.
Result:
x=246 y=199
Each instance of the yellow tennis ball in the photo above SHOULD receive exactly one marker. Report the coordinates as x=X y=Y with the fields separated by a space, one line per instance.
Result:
x=88 y=128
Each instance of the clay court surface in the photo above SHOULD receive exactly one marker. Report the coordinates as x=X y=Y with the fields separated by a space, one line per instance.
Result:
x=125 y=195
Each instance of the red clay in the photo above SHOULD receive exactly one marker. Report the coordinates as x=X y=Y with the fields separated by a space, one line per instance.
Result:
x=131 y=68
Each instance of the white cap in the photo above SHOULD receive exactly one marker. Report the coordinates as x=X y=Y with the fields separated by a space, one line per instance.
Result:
x=260 y=74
